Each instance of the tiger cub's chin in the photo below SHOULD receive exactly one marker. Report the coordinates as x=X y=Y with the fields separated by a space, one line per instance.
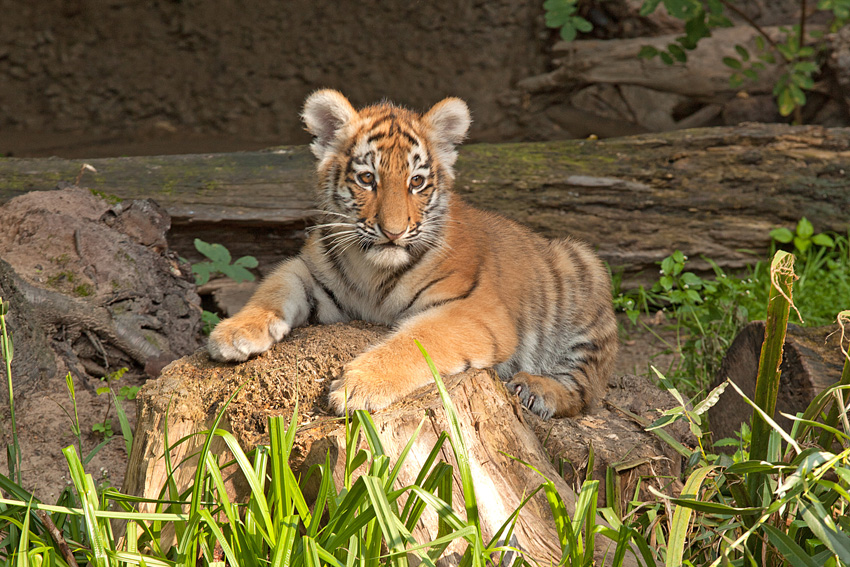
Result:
x=388 y=256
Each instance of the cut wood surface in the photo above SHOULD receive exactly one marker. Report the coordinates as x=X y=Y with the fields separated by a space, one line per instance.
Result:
x=812 y=361
x=494 y=426
x=715 y=192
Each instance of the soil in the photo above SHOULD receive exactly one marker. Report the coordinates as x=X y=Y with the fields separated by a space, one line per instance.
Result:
x=86 y=79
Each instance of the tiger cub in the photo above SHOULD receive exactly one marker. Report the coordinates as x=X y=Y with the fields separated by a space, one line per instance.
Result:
x=395 y=246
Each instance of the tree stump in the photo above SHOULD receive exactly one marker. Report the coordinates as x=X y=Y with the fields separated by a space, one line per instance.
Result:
x=812 y=361
x=191 y=391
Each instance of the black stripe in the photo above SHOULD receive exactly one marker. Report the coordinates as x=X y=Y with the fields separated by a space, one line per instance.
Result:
x=388 y=285
x=423 y=289
x=476 y=280
x=339 y=268
x=413 y=141
x=330 y=294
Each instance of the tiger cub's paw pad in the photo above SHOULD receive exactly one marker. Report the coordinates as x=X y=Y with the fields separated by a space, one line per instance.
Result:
x=532 y=393
x=238 y=338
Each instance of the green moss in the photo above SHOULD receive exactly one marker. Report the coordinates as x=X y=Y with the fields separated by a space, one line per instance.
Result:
x=63 y=276
x=111 y=199
x=83 y=290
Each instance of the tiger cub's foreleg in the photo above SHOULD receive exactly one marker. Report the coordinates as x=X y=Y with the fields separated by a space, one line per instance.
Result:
x=282 y=301
x=456 y=337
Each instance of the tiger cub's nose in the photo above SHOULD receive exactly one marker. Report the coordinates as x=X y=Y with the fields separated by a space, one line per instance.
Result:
x=393 y=236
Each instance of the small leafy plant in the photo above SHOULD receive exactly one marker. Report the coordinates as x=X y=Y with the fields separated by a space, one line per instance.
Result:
x=219 y=262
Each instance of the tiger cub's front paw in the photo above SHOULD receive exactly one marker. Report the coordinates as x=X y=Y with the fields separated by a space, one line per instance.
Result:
x=251 y=331
x=545 y=396
x=362 y=386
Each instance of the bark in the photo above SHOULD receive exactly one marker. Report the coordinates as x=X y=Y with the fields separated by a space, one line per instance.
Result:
x=192 y=390
x=715 y=192
x=812 y=361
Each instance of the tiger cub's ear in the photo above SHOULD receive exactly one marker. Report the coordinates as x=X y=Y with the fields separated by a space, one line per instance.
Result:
x=325 y=113
x=448 y=122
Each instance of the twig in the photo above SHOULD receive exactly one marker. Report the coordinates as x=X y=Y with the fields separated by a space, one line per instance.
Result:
x=732 y=8
x=57 y=537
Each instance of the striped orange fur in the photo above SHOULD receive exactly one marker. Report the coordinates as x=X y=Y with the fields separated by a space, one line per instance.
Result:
x=395 y=246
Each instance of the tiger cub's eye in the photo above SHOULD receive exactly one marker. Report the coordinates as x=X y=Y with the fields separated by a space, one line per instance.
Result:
x=366 y=178
x=416 y=181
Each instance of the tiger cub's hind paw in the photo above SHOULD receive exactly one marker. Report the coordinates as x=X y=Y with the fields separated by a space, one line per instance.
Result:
x=249 y=332
x=545 y=396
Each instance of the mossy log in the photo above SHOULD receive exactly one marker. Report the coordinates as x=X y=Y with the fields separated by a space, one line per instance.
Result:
x=715 y=191
x=811 y=362
x=191 y=391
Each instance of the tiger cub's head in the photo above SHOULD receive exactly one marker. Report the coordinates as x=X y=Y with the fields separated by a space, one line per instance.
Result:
x=384 y=174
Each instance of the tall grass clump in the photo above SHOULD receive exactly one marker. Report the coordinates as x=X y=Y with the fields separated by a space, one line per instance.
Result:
x=783 y=497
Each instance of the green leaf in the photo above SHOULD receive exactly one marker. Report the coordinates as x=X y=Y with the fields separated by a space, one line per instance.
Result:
x=731 y=62
x=568 y=32
x=665 y=57
x=742 y=51
x=788 y=547
x=558 y=12
x=647 y=52
x=677 y=52
x=691 y=279
x=806 y=67
x=711 y=399
x=785 y=102
x=237 y=273
x=202 y=271
x=667 y=264
x=782 y=235
x=823 y=239
x=247 y=262
x=683 y=9
x=822 y=525
x=802 y=244
x=751 y=74
x=797 y=95
x=805 y=228
x=582 y=25
x=649 y=7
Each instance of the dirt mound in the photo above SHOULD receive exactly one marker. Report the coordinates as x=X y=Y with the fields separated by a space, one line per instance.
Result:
x=102 y=278
x=91 y=288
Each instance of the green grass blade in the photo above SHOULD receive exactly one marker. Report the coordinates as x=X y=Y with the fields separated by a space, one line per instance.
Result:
x=219 y=536
x=393 y=536
x=788 y=547
x=682 y=518
x=822 y=525
x=402 y=457
x=187 y=546
x=126 y=429
x=825 y=440
x=288 y=528
x=458 y=444
x=88 y=503
x=254 y=481
x=23 y=544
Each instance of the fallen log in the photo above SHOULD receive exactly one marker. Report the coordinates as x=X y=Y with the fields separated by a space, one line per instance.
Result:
x=812 y=362
x=715 y=192
x=191 y=391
